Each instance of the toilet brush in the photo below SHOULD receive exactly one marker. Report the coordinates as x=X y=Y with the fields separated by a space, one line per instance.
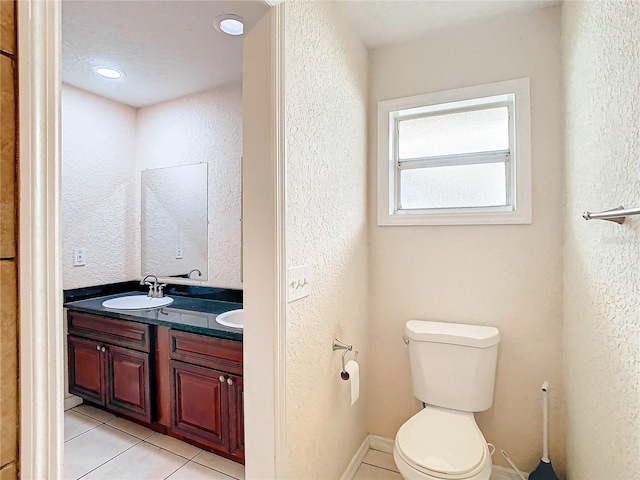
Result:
x=544 y=470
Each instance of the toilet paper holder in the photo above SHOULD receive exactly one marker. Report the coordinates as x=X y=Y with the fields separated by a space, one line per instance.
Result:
x=338 y=345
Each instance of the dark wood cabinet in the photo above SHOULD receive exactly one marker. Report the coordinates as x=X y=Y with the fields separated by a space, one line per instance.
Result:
x=129 y=382
x=207 y=406
x=236 y=417
x=109 y=375
x=86 y=369
x=122 y=333
x=187 y=385
x=207 y=392
x=200 y=404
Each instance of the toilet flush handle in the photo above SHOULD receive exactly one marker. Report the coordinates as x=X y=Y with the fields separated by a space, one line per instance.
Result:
x=405 y=339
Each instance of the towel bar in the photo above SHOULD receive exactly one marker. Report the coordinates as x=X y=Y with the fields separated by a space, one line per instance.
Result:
x=617 y=214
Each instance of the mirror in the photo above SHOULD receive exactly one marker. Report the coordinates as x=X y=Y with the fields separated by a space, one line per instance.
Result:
x=174 y=222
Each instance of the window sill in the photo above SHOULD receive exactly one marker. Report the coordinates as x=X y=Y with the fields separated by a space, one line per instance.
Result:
x=480 y=218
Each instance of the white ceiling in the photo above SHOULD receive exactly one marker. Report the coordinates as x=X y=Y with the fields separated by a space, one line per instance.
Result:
x=386 y=22
x=167 y=49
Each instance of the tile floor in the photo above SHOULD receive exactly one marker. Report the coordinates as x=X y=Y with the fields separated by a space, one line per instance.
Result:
x=98 y=445
x=101 y=446
x=377 y=466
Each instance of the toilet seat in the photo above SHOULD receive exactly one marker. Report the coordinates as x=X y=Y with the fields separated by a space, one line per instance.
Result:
x=443 y=443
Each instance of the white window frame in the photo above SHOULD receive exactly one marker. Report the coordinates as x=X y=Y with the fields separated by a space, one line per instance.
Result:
x=512 y=93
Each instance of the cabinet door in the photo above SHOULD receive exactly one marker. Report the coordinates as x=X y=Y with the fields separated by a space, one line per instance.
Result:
x=200 y=404
x=86 y=369
x=129 y=382
x=236 y=416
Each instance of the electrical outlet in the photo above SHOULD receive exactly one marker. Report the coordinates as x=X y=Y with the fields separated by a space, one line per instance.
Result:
x=179 y=253
x=79 y=257
x=298 y=282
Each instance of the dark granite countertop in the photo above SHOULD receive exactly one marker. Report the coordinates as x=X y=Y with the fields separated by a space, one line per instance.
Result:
x=193 y=291
x=188 y=314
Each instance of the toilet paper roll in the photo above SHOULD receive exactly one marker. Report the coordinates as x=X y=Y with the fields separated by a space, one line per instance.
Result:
x=353 y=369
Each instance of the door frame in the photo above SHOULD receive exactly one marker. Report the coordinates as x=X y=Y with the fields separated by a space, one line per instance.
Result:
x=40 y=283
x=40 y=279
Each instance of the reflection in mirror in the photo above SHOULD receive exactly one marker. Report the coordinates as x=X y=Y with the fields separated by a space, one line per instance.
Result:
x=174 y=222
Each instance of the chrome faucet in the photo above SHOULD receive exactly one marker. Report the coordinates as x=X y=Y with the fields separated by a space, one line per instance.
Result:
x=194 y=270
x=155 y=288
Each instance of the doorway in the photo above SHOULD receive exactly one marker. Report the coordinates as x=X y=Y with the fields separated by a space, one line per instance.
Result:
x=41 y=340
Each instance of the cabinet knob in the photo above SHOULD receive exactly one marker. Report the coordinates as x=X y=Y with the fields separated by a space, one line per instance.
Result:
x=221 y=379
x=103 y=349
x=98 y=347
x=229 y=381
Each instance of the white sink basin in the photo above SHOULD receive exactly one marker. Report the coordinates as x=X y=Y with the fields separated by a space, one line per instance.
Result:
x=136 y=302
x=232 y=318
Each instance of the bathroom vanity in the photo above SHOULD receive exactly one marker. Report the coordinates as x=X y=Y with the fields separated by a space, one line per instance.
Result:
x=172 y=369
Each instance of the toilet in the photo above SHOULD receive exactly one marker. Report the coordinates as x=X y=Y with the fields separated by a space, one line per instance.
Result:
x=453 y=369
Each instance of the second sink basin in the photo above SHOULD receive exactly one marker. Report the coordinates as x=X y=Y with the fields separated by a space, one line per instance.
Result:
x=232 y=318
x=137 y=302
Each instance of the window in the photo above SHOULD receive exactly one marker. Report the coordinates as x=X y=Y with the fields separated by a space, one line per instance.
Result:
x=458 y=157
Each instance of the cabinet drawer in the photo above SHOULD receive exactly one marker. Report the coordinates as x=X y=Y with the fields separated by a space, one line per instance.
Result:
x=225 y=355
x=115 y=332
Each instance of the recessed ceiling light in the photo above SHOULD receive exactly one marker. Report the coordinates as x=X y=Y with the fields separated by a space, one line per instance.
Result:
x=107 y=72
x=230 y=24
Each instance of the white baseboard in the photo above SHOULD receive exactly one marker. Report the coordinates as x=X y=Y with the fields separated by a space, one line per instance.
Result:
x=381 y=444
x=355 y=462
x=71 y=401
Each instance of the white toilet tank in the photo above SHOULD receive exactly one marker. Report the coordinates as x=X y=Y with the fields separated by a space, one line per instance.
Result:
x=453 y=365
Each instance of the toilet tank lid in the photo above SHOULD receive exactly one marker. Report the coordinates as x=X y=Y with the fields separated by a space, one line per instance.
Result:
x=478 y=336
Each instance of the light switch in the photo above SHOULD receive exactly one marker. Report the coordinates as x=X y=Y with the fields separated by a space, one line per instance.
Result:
x=179 y=253
x=79 y=257
x=298 y=282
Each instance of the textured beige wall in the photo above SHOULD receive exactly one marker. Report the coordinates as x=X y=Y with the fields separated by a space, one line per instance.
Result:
x=601 y=58
x=98 y=148
x=326 y=104
x=9 y=422
x=508 y=276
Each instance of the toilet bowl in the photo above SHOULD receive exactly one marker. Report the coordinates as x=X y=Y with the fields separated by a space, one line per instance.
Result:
x=442 y=444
